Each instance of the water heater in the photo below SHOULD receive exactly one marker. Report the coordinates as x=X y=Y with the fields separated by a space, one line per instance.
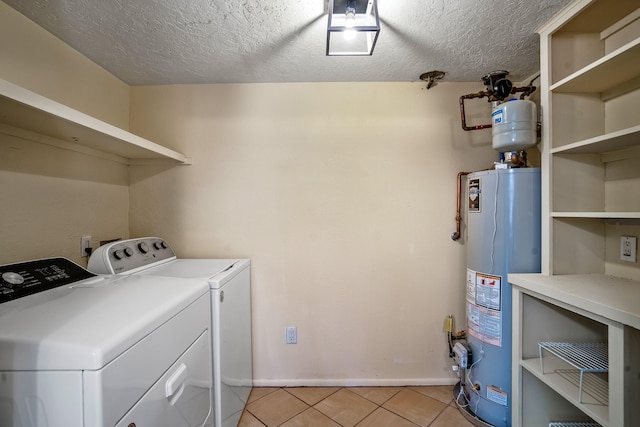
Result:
x=503 y=236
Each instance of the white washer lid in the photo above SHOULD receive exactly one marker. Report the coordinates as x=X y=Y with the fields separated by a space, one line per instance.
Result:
x=85 y=325
x=211 y=270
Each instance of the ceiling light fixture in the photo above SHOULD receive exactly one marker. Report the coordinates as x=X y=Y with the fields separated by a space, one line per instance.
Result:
x=353 y=27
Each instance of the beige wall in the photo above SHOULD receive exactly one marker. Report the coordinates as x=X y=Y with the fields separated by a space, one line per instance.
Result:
x=32 y=58
x=51 y=197
x=342 y=195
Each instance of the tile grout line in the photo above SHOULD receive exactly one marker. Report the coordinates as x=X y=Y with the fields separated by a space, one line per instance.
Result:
x=377 y=405
x=439 y=414
x=436 y=417
x=297 y=398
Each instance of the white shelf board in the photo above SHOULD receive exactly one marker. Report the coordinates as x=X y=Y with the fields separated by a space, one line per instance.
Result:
x=33 y=113
x=591 y=406
x=621 y=65
x=597 y=215
x=610 y=297
x=610 y=142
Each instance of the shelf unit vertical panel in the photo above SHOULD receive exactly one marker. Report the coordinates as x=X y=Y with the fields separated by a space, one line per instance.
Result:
x=616 y=376
x=622 y=36
x=631 y=391
x=545 y=156
x=622 y=181
x=579 y=246
x=517 y=322
x=621 y=112
x=572 y=51
x=576 y=117
x=578 y=183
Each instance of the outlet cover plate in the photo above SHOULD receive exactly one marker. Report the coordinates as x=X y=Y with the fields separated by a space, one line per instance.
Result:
x=628 y=248
x=291 y=335
x=85 y=243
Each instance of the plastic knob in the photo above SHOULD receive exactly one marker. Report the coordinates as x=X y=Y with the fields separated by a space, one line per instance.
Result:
x=144 y=248
x=118 y=254
x=128 y=251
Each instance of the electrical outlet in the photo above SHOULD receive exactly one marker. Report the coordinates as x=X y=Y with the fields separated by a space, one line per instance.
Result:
x=628 y=248
x=85 y=243
x=291 y=335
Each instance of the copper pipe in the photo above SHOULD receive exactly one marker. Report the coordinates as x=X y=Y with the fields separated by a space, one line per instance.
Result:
x=456 y=234
x=462 y=114
x=526 y=91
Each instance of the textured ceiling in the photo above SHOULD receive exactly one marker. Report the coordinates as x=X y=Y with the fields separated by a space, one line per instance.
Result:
x=227 y=41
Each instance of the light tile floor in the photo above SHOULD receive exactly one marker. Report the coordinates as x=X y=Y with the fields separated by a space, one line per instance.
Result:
x=352 y=406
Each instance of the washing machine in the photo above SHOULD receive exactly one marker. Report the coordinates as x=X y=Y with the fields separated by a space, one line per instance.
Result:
x=84 y=350
x=229 y=281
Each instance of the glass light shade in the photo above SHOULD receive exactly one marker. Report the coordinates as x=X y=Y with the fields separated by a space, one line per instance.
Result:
x=363 y=26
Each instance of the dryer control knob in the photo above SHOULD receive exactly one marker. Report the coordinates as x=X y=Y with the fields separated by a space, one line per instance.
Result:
x=118 y=254
x=160 y=245
x=128 y=251
x=144 y=248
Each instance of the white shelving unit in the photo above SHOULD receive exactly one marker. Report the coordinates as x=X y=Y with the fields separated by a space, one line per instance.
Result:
x=25 y=114
x=590 y=96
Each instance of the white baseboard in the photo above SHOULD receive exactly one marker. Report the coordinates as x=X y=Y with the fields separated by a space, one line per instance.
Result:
x=353 y=382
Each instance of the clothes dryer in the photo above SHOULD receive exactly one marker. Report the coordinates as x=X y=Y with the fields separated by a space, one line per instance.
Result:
x=80 y=350
x=229 y=281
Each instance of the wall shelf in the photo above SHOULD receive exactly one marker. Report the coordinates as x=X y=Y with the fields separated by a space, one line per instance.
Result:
x=608 y=72
x=610 y=142
x=597 y=215
x=25 y=114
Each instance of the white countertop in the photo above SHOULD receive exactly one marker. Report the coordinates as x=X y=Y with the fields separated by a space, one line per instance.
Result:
x=606 y=296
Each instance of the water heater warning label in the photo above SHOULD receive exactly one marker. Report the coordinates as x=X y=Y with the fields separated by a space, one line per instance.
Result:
x=484 y=315
x=488 y=291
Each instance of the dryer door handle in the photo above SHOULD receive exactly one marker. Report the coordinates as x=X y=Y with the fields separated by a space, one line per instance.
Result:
x=175 y=384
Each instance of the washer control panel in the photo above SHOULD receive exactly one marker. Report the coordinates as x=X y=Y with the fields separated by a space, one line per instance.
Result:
x=130 y=255
x=30 y=277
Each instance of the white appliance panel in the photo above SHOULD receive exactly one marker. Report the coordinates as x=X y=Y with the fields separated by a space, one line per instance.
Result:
x=77 y=327
x=181 y=397
x=42 y=399
x=233 y=359
x=230 y=283
x=84 y=352
x=204 y=269
x=127 y=378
